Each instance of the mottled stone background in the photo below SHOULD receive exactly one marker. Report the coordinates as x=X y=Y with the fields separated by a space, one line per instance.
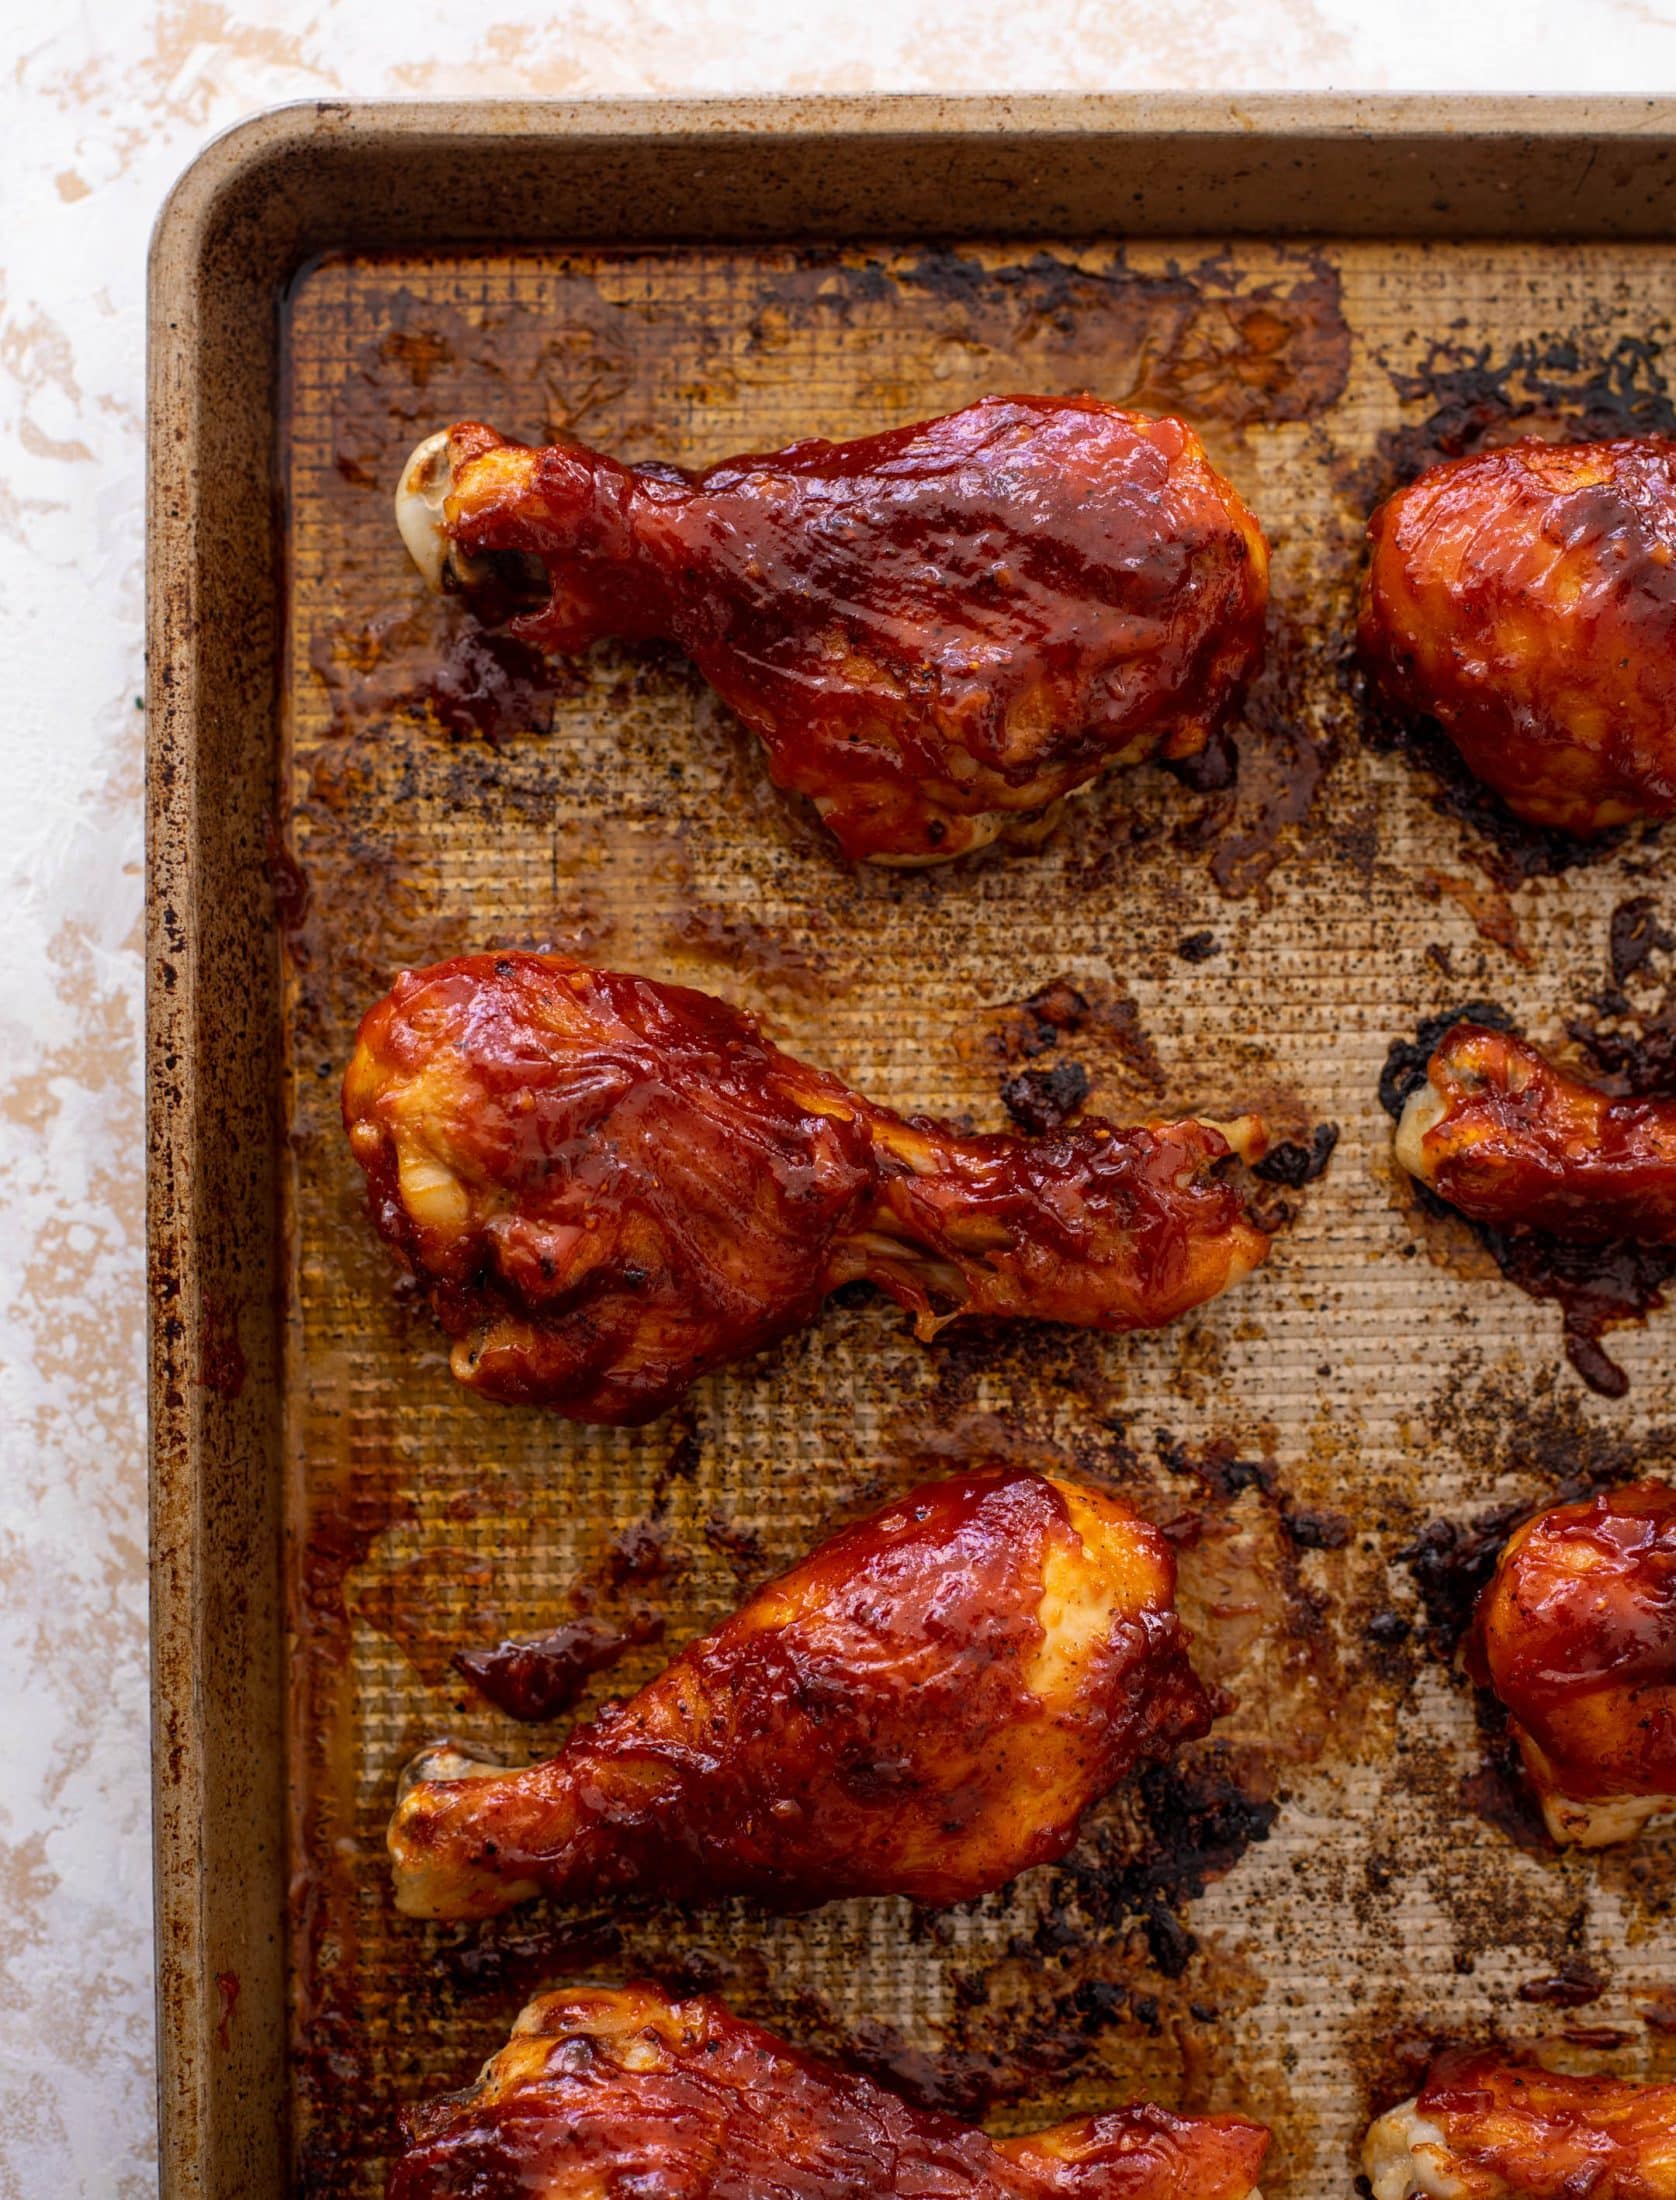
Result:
x=102 y=109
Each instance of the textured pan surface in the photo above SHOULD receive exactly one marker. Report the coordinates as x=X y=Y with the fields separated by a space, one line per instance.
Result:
x=1377 y=1375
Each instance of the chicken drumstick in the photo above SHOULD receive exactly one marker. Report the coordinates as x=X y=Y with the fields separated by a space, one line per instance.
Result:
x=612 y=1186
x=1576 y=1635
x=1525 y=599
x=935 y=632
x=1490 y=2124
x=1508 y=1139
x=924 y=1706
x=623 y=2090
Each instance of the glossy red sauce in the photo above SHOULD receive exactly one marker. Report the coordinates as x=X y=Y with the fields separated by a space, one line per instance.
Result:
x=658 y=1191
x=1580 y=1618
x=539 y=1678
x=1525 y=599
x=1513 y=2127
x=866 y=1725
x=968 y=614
x=1521 y=1144
x=721 y=2110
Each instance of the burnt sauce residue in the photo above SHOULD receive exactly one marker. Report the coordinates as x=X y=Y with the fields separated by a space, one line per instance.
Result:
x=1199 y=338
x=539 y=1676
x=1596 y=1287
x=1259 y=775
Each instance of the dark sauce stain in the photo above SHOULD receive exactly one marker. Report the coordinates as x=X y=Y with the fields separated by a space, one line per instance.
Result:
x=1496 y=1791
x=541 y=1677
x=1199 y=338
x=1572 y=1986
x=1451 y=1564
x=1316 y=1528
x=1597 y=1287
x=1552 y=386
x=1107 y=1021
x=736 y=942
x=680 y=1463
x=512 y=1958
x=740 y=1546
x=1391 y=2051
x=434 y=665
x=1635 y=936
x=1197 y=1818
x=641 y=1552
x=1260 y=774
x=1042 y=1100
x=1507 y=849
x=1633 y=1044
x=1543 y=386
x=1296 y=1165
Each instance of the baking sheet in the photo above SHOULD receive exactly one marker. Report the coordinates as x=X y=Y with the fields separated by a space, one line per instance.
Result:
x=1265 y=1928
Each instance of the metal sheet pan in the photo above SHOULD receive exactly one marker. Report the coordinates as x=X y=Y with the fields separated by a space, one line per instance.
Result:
x=342 y=780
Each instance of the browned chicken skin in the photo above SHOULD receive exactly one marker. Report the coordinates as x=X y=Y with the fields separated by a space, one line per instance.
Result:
x=1526 y=600
x=934 y=631
x=924 y=1706
x=1492 y=2125
x=1510 y=1140
x=1576 y=1635
x=612 y=1186
x=604 y=2091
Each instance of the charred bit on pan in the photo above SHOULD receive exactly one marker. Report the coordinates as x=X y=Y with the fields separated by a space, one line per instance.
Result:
x=539 y=1677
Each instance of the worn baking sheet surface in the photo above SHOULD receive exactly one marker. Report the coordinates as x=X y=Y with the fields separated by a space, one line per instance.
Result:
x=1378 y=1374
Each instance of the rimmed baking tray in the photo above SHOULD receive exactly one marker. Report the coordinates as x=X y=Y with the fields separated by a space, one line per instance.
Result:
x=341 y=779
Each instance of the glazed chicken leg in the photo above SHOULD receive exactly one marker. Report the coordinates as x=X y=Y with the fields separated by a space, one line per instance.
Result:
x=612 y=1187
x=934 y=631
x=1525 y=599
x=624 y=2091
x=1576 y=1635
x=1491 y=2125
x=925 y=1706
x=1508 y=1139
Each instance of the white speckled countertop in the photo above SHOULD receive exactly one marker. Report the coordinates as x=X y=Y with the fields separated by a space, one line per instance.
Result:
x=102 y=110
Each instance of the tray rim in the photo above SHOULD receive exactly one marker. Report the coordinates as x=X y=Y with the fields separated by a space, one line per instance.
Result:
x=222 y=2105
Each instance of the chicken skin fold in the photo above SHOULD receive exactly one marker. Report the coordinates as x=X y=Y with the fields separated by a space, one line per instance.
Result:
x=623 y=2090
x=925 y=1706
x=1575 y=1633
x=1501 y=1134
x=1525 y=599
x=935 y=632
x=611 y=1187
x=1492 y=2125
